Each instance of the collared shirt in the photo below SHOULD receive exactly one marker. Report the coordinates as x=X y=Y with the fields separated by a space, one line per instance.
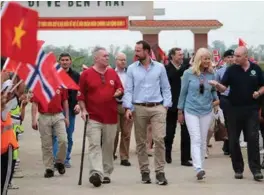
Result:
x=191 y=100
x=243 y=84
x=97 y=91
x=219 y=75
x=55 y=105
x=147 y=85
x=123 y=76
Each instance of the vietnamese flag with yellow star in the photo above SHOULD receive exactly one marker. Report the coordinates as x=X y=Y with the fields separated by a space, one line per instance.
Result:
x=19 y=33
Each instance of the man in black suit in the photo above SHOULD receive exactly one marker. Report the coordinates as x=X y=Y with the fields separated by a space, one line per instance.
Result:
x=175 y=69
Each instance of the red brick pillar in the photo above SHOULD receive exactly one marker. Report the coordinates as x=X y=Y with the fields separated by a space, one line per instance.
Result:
x=152 y=39
x=200 y=40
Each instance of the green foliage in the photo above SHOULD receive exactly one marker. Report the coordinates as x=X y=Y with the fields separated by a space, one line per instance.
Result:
x=261 y=64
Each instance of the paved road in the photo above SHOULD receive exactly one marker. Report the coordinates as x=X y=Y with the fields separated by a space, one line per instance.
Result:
x=126 y=180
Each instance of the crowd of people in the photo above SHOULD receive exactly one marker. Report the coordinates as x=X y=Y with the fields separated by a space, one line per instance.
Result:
x=149 y=95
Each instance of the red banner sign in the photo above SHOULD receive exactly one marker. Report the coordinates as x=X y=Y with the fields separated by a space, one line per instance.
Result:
x=110 y=23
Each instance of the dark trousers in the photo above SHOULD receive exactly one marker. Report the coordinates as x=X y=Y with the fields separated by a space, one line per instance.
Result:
x=6 y=169
x=224 y=105
x=247 y=119
x=171 y=123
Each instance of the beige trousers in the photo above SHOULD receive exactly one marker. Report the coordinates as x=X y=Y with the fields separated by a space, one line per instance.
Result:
x=157 y=117
x=124 y=127
x=100 y=157
x=47 y=124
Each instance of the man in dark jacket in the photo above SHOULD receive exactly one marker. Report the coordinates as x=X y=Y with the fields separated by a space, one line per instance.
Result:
x=175 y=69
x=74 y=109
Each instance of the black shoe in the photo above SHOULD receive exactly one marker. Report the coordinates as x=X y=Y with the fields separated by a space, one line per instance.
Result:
x=115 y=157
x=106 y=180
x=200 y=175
x=262 y=164
x=95 y=180
x=238 y=175
x=226 y=153
x=258 y=176
x=187 y=164
x=145 y=178
x=49 y=173
x=160 y=179
x=60 y=167
x=168 y=157
x=125 y=163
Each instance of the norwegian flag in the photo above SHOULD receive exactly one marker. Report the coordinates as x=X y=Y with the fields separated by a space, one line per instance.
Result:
x=41 y=78
x=216 y=55
x=65 y=80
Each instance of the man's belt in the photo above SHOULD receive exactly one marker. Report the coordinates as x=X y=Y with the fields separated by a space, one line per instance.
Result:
x=149 y=104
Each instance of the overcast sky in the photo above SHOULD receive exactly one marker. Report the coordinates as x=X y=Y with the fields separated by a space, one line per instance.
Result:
x=240 y=20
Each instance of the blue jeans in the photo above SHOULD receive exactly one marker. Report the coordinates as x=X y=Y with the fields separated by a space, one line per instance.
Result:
x=70 y=131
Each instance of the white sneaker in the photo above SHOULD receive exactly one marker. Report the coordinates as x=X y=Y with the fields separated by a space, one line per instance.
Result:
x=243 y=144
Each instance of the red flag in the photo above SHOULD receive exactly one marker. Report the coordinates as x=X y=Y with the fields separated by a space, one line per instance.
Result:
x=42 y=78
x=12 y=65
x=19 y=33
x=241 y=42
x=216 y=55
x=64 y=79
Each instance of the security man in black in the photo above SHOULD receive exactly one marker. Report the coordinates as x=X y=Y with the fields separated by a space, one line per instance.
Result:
x=175 y=70
x=246 y=83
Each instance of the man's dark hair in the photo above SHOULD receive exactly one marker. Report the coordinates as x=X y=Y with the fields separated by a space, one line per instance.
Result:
x=64 y=54
x=145 y=45
x=172 y=52
x=3 y=60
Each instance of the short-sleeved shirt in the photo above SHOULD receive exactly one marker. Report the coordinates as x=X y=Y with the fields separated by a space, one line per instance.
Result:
x=243 y=84
x=55 y=105
x=97 y=91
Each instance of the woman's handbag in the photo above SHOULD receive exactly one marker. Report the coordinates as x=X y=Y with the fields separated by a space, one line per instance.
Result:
x=220 y=131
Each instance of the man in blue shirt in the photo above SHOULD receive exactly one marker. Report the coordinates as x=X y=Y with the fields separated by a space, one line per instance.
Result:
x=148 y=96
x=224 y=103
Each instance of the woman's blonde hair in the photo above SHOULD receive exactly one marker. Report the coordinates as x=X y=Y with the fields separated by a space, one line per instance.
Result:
x=198 y=61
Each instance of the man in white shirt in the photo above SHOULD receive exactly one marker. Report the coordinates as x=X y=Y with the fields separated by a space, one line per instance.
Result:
x=124 y=125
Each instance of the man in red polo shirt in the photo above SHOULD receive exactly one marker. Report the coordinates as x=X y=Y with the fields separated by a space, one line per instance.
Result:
x=99 y=86
x=52 y=121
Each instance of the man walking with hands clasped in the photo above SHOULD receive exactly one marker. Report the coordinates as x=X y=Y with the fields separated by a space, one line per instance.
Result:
x=147 y=98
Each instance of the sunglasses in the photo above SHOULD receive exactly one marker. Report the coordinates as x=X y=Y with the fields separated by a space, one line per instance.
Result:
x=102 y=78
x=201 y=88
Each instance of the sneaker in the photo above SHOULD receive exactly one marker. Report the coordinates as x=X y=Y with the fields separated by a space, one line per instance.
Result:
x=49 y=173
x=200 y=175
x=106 y=180
x=125 y=163
x=262 y=164
x=60 y=167
x=238 y=175
x=258 y=176
x=12 y=186
x=145 y=179
x=160 y=179
x=67 y=165
x=18 y=174
x=95 y=180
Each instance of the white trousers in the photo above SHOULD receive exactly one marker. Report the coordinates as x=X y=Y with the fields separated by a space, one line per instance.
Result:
x=198 y=127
